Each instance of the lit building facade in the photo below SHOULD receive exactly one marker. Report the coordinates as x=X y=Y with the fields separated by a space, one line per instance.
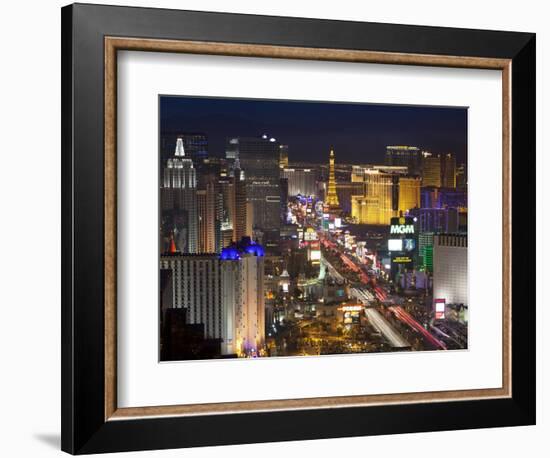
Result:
x=224 y=293
x=283 y=186
x=259 y=159
x=385 y=195
x=358 y=171
x=436 y=219
x=197 y=288
x=431 y=170
x=194 y=143
x=450 y=268
x=283 y=156
x=408 y=193
x=357 y=174
x=345 y=191
x=301 y=181
x=438 y=170
x=462 y=176
x=426 y=251
x=448 y=171
x=179 y=217
x=210 y=215
x=243 y=298
x=408 y=156
x=443 y=198
x=234 y=208
x=249 y=220
x=227 y=190
x=243 y=211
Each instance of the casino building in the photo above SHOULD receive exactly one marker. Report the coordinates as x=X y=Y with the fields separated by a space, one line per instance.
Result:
x=450 y=264
x=243 y=298
x=223 y=292
x=385 y=195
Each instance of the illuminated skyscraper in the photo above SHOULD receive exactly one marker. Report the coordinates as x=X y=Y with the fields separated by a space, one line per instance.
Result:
x=385 y=195
x=207 y=223
x=258 y=158
x=179 y=202
x=234 y=208
x=438 y=170
x=240 y=227
x=461 y=176
x=210 y=214
x=448 y=170
x=249 y=219
x=202 y=226
x=409 y=193
x=195 y=144
x=378 y=202
x=332 y=197
x=197 y=288
x=283 y=156
x=409 y=156
x=224 y=293
x=450 y=265
x=426 y=250
x=227 y=190
x=243 y=298
x=431 y=170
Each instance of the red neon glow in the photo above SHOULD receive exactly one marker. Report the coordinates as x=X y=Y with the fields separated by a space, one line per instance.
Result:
x=173 y=246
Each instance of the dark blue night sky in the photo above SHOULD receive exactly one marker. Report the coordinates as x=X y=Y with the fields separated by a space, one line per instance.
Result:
x=358 y=132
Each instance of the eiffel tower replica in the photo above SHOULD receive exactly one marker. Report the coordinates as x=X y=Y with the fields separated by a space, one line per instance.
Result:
x=331 y=200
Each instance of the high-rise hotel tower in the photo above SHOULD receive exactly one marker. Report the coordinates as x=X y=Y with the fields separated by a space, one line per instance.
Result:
x=385 y=196
x=179 y=203
x=258 y=158
x=224 y=293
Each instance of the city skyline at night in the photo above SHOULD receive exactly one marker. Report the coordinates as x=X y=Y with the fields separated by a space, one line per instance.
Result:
x=312 y=127
x=280 y=235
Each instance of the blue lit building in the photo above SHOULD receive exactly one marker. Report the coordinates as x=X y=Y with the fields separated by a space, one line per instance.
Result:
x=225 y=293
x=243 y=297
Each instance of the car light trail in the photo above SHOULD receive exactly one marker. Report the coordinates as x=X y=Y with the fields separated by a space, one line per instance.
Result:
x=386 y=329
x=408 y=319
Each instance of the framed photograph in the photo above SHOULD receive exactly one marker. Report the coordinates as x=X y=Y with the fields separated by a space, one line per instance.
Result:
x=283 y=228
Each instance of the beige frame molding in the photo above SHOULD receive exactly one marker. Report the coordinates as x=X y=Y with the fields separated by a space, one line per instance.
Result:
x=114 y=44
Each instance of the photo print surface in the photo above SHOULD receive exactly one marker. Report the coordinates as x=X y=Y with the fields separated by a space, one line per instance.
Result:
x=300 y=228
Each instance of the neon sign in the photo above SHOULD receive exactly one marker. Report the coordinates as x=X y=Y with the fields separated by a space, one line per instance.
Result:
x=402 y=229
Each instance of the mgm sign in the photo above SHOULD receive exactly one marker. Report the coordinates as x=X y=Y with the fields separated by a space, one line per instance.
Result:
x=402 y=243
x=402 y=225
